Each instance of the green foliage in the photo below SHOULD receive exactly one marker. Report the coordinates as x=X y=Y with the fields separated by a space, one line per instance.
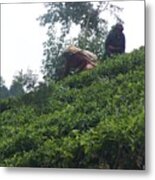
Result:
x=94 y=119
x=23 y=82
x=16 y=89
x=4 y=92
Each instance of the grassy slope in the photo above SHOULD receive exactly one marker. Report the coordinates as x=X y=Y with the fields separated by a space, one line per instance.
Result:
x=90 y=120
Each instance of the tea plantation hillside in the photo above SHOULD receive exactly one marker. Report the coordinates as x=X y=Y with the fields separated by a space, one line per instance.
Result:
x=94 y=119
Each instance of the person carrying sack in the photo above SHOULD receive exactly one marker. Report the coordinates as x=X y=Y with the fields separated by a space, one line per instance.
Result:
x=78 y=60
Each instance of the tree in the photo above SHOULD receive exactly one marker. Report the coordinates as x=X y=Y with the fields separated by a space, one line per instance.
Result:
x=60 y=19
x=4 y=92
x=2 y=82
x=23 y=82
x=30 y=80
x=16 y=89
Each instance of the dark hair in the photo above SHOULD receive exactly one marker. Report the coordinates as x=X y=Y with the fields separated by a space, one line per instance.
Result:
x=119 y=26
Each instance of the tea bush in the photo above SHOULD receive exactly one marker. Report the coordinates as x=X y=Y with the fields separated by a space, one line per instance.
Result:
x=94 y=119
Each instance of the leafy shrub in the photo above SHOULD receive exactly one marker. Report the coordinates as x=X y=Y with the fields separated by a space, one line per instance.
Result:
x=90 y=120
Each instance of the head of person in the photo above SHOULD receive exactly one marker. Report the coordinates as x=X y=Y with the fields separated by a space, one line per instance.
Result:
x=119 y=27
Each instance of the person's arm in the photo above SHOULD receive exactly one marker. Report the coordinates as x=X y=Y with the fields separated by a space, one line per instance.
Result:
x=124 y=43
x=110 y=47
x=122 y=48
x=108 y=41
x=109 y=44
x=81 y=61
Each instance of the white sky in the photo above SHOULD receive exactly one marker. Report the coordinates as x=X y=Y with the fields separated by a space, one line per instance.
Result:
x=22 y=36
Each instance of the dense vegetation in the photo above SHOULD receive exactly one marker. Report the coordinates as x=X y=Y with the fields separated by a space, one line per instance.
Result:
x=21 y=83
x=94 y=119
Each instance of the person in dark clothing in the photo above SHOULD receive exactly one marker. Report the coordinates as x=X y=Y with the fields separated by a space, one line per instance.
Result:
x=115 y=41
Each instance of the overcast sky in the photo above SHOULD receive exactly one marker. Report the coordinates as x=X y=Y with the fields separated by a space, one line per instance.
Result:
x=22 y=36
